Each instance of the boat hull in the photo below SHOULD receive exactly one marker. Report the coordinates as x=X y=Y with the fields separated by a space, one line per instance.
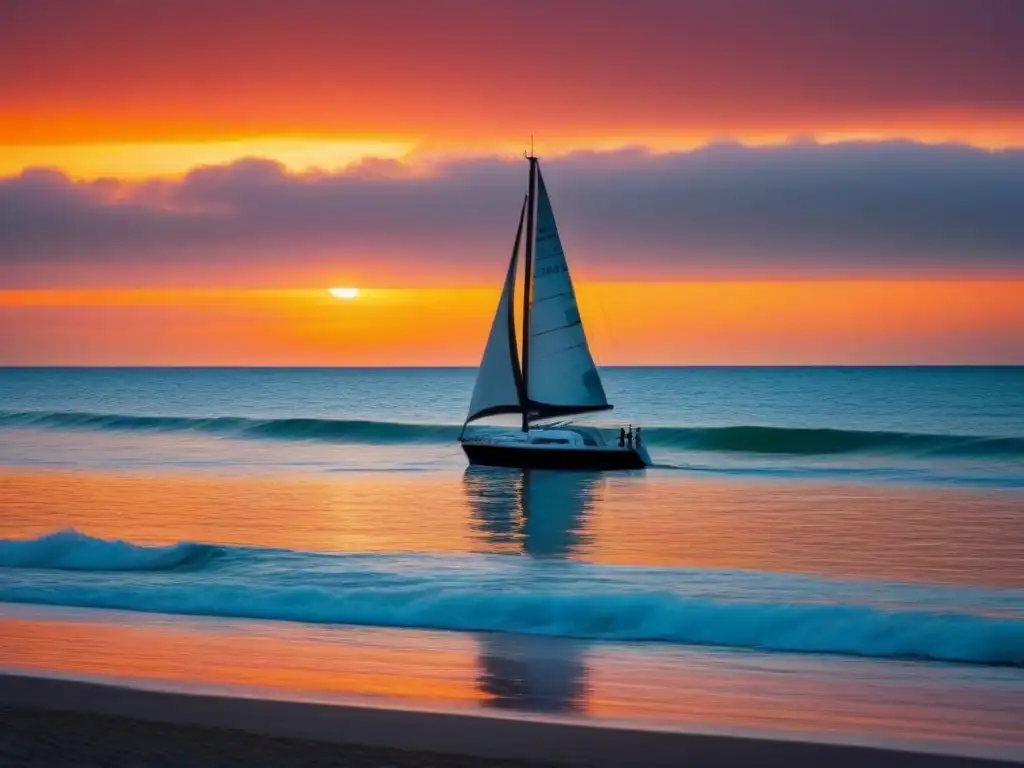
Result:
x=527 y=456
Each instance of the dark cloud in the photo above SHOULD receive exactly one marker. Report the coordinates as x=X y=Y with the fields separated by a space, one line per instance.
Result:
x=807 y=209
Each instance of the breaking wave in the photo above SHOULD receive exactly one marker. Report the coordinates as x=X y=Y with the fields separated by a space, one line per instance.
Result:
x=496 y=594
x=72 y=551
x=738 y=439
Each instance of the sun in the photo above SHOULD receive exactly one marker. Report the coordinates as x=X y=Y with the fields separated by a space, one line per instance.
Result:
x=344 y=293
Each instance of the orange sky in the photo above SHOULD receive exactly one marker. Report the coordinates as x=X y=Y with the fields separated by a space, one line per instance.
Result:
x=809 y=256
x=708 y=323
x=88 y=86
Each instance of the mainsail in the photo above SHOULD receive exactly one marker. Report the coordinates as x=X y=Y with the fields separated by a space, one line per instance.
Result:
x=498 y=387
x=562 y=376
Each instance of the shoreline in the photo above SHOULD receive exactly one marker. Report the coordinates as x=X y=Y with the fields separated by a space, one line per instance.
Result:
x=39 y=711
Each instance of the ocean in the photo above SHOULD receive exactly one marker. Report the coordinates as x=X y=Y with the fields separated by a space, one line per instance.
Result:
x=817 y=549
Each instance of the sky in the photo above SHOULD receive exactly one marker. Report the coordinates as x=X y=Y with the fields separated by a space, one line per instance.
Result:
x=795 y=182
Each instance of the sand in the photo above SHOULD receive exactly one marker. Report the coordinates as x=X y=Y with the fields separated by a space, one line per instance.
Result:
x=57 y=722
x=31 y=737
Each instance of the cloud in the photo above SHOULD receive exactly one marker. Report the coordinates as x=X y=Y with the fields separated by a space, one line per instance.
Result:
x=724 y=210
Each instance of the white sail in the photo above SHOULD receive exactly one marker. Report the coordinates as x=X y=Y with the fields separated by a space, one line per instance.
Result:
x=497 y=388
x=561 y=370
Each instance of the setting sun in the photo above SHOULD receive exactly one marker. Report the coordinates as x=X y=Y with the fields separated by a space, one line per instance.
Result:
x=344 y=293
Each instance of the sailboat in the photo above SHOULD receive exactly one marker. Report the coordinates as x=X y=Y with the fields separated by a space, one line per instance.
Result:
x=556 y=377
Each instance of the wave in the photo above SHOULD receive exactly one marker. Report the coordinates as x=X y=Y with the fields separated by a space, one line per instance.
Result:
x=69 y=550
x=784 y=440
x=807 y=628
x=575 y=600
x=738 y=439
x=321 y=430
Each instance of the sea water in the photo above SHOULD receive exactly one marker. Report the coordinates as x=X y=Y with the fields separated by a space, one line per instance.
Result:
x=795 y=513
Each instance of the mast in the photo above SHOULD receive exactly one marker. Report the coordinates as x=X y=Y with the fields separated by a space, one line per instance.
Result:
x=531 y=235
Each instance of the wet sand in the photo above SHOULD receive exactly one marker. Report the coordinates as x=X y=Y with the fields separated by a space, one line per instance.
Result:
x=33 y=737
x=667 y=687
x=58 y=722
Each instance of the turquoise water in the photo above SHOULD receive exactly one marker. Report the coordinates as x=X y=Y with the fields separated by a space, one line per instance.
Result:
x=940 y=425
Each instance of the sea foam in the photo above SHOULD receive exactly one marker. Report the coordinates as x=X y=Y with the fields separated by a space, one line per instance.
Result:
x=767 y=612
x=70 y=550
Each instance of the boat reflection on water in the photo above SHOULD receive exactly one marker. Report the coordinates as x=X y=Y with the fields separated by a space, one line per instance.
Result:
x=532 y=674
x=537 y=512
x=542 y=514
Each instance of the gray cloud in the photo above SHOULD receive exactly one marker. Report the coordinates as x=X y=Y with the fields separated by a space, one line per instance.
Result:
x=855 y=208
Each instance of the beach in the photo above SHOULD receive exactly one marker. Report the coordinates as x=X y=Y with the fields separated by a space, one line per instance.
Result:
x=60 y=722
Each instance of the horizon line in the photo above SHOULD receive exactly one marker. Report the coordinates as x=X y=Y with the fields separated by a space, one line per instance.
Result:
x=5 y=367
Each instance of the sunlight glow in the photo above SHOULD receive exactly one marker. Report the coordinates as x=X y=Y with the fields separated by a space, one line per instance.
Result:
x=670 y=323
x=344 y=293
x=147 y=159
